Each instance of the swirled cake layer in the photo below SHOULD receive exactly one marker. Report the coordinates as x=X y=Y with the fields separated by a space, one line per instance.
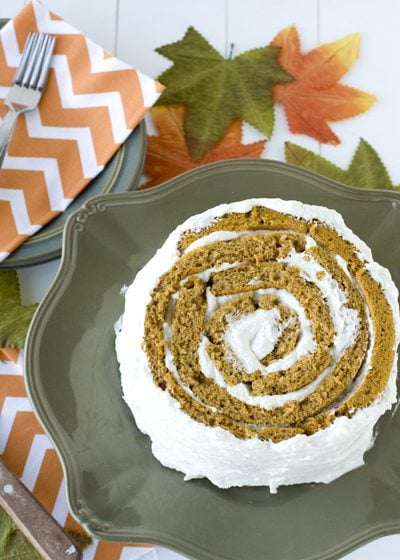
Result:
x=267 y=320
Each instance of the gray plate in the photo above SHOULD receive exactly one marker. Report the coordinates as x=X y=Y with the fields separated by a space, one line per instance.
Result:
x=115 y=487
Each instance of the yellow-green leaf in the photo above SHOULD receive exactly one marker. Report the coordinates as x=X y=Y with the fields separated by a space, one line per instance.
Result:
x=14 y=317
x=13 y=544
x=366 y=169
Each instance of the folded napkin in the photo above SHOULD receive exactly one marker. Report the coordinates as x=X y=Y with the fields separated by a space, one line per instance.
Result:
x=91 y=103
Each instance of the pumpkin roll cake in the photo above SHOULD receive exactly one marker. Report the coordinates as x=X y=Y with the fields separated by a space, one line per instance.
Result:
x=258 y=346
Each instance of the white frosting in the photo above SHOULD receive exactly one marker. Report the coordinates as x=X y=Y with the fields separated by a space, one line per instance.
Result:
x=306 y=342
x=253 y=336
x=345 y=320
x=198 y=450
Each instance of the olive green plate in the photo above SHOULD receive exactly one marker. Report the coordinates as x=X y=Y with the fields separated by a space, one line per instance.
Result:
x=115 y=487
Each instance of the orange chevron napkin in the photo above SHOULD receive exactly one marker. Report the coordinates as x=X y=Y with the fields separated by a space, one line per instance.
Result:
x=91 y=104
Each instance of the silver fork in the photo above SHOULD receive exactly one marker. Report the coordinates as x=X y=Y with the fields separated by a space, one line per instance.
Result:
x=28 y=84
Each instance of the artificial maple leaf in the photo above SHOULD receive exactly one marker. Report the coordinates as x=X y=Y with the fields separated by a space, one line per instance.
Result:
x=13 y=543
x=216 y=90
x=14 y=317
x=366 y=169
x=315 y=98
x=168 y=155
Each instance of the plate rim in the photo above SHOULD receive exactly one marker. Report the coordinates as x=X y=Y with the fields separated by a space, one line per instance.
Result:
x=101 y=529
x=321 y=181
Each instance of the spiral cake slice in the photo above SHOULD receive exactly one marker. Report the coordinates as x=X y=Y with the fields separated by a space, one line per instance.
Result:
x=258 y=346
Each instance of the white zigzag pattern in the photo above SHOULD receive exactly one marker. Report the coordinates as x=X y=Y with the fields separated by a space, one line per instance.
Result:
x=81 y=135
x=11 y=50
x=4 y=92
x=111 y=100
x=40 y=445
x=148 y=87
x=16 y=198
x=138 y=553
x=48 y=25
x=70 y=100
x=100 y=64
x=60 y=509
x=11 y=406
x=96 y=53
x=11 y=368
x=49 y=166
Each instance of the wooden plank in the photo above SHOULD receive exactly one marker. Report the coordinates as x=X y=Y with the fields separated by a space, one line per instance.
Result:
x=93 y=18
x=143 y=26
x=9 y=8
x=46 y=535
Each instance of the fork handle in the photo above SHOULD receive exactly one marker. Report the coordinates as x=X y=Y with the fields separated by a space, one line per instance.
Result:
x=6 y=130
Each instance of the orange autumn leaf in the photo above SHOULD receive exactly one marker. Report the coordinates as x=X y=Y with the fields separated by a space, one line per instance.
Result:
x=168 y=155
x=315 y=98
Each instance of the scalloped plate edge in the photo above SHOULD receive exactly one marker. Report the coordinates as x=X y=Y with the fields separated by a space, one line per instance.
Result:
x=102 y=529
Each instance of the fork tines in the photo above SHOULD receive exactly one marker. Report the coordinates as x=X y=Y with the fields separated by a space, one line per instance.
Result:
x=34 y=66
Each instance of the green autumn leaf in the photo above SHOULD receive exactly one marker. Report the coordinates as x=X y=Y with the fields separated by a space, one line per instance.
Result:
x=13 y=544
x=14 y=317
x=216 y=90
x=366 y=169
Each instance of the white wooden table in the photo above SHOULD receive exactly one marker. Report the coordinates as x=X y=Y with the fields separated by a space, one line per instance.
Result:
x=132 y=29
